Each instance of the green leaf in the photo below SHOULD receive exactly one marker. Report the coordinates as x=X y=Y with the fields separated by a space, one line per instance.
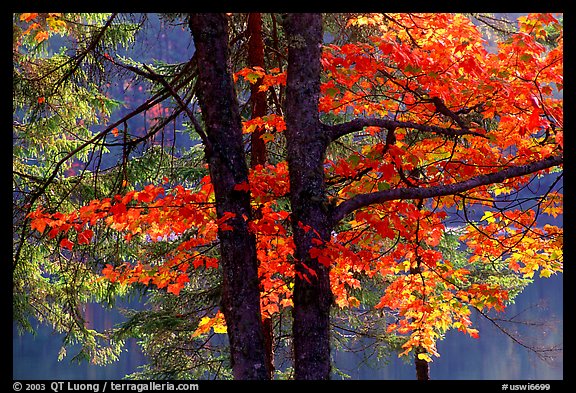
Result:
x=252 y=77
x=354 y=159
x=383 y=186
x=413 y=69
x=332 y=91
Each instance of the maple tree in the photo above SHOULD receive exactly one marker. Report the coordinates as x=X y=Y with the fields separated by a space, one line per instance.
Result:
x=387 y=139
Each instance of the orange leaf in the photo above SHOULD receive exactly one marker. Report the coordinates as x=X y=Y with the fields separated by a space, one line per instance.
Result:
x=41 y=36
x=39 y=224
x=28 y=16
x=175 y=288
x=110 y=273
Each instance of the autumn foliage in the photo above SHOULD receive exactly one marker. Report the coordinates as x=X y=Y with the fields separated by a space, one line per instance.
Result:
x=456 y=110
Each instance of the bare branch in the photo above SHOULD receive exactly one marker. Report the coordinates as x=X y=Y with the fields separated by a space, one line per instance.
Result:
x=363 y=200
x=338 y=130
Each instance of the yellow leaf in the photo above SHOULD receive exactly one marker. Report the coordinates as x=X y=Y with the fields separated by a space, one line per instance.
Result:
x=498 y=190
x=489 y=217
x=203 y=326
x=528 y=274
x=219 y=323
x=424 y=356
x=353 y=301
x=220 y=328
x=545 y=273
x=250 y=129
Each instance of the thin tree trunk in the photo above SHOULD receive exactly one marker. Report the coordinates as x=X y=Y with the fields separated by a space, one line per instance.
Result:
x=257 y=97
x=227 y=165
x=258 y=146
x=306 y=148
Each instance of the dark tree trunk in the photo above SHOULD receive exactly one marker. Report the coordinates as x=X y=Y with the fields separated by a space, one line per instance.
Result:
x=422 y=367
x=227 y=165
x=306 y=149
x=258 y=146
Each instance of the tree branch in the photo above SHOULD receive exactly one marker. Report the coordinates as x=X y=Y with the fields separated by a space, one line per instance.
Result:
x=338 y=130
x=363 y=200
x=199 y=130
x=79 y=58
x=92 y=141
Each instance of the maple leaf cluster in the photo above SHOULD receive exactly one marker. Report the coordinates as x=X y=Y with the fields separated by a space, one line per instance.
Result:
x=43 y=25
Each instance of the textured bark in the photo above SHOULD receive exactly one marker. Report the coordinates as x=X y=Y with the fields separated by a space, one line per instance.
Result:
x=227 y=164
x=306 y=148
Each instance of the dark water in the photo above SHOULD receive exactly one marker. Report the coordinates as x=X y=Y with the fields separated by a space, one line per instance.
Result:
x=492 y=356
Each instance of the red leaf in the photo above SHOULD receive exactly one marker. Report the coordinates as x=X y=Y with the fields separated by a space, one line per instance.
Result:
x=317 y=253
x=304 y=277
x=222 y=221
x=145 y=197
x=534 y=120
x=53 y=232
x=310 y=270
x=244 y=186
x=174 y=288
x=212 y=262
x=182 y=279
x=66 y=243
x=85 y=237
x=324 y=260
x=226 y=227
x=118 y=209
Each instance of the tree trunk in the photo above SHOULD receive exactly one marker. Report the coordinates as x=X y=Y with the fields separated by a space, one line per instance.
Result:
x=257 y=144
x=227 y=165
x=257 y=97
x=422 y=367
x=306 y=149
